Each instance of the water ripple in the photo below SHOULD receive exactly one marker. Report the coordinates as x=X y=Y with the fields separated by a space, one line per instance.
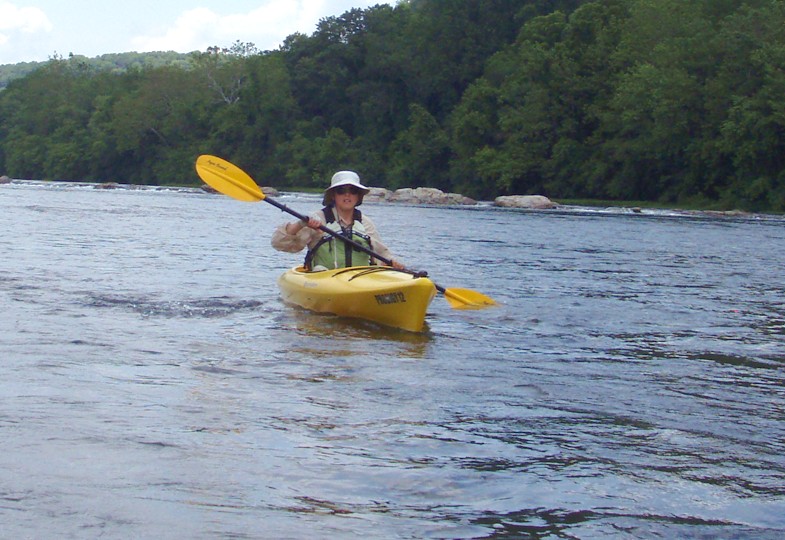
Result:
x=629 y=384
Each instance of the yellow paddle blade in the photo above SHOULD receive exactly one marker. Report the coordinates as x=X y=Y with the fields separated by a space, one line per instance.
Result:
x=467 y=299
x=228 y=179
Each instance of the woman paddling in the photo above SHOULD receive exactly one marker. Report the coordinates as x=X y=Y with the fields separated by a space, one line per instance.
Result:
x=341 y=215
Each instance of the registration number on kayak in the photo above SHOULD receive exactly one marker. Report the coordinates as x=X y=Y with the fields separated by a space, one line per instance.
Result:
x=390 y=298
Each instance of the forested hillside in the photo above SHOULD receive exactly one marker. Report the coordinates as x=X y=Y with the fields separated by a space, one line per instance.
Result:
x=117 y=62
x=660 y=100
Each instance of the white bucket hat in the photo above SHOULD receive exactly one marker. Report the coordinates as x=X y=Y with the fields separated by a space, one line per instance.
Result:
x=344 y=178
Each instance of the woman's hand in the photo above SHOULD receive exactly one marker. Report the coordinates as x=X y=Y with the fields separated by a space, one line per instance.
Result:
x=296 y=226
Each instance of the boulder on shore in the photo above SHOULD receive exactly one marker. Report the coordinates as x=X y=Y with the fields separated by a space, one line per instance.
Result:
x=377 y=194
x=535 y=202
x=420 y=195
x=5 y=179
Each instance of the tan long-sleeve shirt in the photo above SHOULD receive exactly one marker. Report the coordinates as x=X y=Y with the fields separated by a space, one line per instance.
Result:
x=307 y=237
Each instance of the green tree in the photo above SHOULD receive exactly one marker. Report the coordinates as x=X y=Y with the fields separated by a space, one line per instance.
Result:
x=473 y=131
x=420 y=154
x=753 y=134
x=263 y=116
x=533 y=116
x=44 y=118
x=446 y=44
x=313 y=160
x=158 y=126
x=324 y=66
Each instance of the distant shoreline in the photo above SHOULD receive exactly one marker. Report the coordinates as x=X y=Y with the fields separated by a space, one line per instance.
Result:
x=584 y=207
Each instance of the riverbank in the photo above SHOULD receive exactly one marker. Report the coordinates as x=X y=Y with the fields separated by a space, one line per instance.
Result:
x=433 y=198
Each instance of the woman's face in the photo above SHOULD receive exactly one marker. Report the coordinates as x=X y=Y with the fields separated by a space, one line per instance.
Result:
x=346 y=197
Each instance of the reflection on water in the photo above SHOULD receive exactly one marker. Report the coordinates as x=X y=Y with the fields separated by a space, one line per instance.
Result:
x=329 y=334
x=629 y=384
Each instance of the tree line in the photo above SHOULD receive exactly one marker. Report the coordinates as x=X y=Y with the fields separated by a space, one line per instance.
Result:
x=649 y=100
x=115 y=62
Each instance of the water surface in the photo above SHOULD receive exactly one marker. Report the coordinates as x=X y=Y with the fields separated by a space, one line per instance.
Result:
x=152 y=383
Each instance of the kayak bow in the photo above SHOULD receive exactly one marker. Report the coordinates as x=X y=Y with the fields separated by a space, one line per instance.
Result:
x=375 y=293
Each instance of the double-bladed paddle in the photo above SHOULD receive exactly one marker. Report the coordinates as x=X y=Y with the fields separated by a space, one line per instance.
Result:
x=231 y=180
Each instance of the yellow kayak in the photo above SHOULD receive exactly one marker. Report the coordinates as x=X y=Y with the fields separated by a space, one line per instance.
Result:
x=375 y=293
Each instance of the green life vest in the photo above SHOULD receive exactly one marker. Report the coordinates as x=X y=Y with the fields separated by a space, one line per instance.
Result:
x=331 y=252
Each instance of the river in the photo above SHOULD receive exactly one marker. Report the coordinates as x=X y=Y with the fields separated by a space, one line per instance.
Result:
x=153 y=384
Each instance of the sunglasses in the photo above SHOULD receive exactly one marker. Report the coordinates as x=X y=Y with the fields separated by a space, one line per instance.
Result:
x=343 y=190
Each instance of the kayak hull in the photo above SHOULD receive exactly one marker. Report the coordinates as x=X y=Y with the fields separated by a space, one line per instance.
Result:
x=375 y=293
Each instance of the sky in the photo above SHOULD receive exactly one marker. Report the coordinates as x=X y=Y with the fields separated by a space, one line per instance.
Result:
x=36 y=30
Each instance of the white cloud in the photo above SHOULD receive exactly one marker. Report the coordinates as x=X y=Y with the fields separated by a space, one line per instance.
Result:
x=22 y=19
x=185 y=35
x=18 y=25
x=266 y=27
